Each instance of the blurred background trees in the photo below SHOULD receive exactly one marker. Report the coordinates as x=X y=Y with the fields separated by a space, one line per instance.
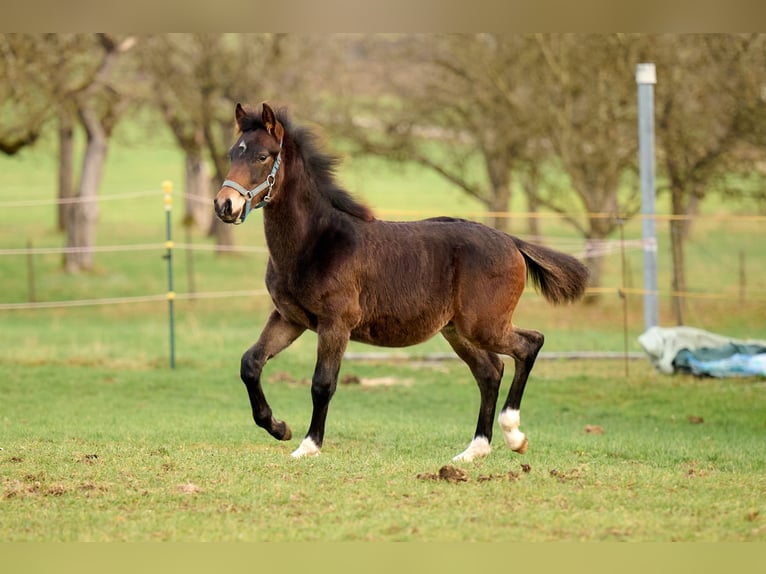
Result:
x=53 y=83
x=710 y=107
x=195 y=81
x=557 y=114
x=551 y=118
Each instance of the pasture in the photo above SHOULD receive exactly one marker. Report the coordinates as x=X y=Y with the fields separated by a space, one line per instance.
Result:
x=103 y=442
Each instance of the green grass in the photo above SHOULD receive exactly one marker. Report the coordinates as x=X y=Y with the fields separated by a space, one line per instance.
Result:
x=102 y=441
x=115 y=448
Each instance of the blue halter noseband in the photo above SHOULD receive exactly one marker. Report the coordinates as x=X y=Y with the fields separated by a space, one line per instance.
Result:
x=249 y=194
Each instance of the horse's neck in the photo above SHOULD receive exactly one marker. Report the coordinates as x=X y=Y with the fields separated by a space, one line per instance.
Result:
x=290 y=223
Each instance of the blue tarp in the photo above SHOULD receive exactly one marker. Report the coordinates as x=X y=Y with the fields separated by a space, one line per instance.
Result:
x=689 y=350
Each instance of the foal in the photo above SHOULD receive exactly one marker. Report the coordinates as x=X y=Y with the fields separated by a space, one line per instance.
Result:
x=335 y=269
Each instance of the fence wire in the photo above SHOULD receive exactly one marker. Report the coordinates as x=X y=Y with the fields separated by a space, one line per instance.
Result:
x=591 y=249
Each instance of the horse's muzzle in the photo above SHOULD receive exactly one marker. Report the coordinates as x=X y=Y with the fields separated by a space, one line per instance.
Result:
x=223 y=209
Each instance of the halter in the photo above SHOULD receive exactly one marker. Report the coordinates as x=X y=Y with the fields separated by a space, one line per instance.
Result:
x=249 y=194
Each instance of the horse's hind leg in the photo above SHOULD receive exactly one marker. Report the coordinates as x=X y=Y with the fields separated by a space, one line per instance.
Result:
x=487 y=369
x=523 y=345
x=276 y=336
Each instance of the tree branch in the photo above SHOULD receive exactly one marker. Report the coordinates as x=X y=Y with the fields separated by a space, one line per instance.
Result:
x=12 y=146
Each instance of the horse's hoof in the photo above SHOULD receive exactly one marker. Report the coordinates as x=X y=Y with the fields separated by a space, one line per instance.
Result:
x=479 y=448
x=287 y=434
x=307 y=448
x=523 y=448
x=279 y=430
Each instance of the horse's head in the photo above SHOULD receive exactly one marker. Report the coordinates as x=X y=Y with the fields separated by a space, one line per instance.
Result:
x=255 y=159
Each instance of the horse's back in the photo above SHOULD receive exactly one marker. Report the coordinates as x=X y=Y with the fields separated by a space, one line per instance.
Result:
x=419 y=276
x=436 y=249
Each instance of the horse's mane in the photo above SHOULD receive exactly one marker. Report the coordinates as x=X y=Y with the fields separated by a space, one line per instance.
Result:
x=320 y=165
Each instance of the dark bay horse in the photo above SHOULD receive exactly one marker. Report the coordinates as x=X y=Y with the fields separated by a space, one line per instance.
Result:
x=335 y=269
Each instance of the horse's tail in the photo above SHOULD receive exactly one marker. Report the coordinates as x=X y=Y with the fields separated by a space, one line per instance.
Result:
x=559 y=277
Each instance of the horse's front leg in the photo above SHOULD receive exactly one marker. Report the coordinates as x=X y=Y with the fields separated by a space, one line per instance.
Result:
x=332 y=342
x=278 y=334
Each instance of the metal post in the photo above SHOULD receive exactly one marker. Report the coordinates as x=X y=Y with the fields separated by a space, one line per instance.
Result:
x=646 y=77
x=167 y=187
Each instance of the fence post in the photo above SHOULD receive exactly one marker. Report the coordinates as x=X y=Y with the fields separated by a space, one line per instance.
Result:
x=646 y=77
x=742 y=276
x=167 y=187
x=32 y=296
x=624 y=296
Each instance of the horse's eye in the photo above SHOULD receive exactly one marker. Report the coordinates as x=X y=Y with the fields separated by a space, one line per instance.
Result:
x=263 y=157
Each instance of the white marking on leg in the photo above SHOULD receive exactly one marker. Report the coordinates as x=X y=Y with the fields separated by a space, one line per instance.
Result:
x=478 y=448
x=509 y=421
x=307 y=448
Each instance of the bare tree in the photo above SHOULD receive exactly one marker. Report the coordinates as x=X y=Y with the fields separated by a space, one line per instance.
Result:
x=170 y=63
x=197 y=80
x=43 y=73
x=72 y=66
x=459 y=89
x=585 y=105
x=98 y=105
x=530 y=106
x=710 y=111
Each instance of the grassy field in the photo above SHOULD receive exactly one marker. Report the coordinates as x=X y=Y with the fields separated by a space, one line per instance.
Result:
x=102 y=441
x=102 y=446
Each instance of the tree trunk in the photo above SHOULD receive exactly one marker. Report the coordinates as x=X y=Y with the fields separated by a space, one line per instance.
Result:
x=678 y=230
x=598 y=230
x=224 y=236
x=692 y=209
x=66 y=167
x=81 y=227
x=595 y=263
x=530 y=183
x=197 y=209
x=223 y=232
x=500 y=180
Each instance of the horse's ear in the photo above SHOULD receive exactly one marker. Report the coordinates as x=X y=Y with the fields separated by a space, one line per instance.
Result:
x=239 y=114
x=270 y=122
x=268 y=118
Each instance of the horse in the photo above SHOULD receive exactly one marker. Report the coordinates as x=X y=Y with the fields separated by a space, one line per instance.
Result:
x=336 y=269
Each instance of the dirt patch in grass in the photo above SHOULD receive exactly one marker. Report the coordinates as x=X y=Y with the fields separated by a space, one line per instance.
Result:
x=374 y=381
x=448 y=473
x=451 y=473
x=188 y=488
x=347 y=380
x=39 y=484
x=574 y=474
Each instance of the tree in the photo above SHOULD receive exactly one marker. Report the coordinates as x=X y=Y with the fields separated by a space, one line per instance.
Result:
x=170 y=63
x=72 y=66
x=197 y=81
x=710 y=112
x=98 y=106
x=460 y=89
x=530 y=106
x=585 y=104
x=43 y=76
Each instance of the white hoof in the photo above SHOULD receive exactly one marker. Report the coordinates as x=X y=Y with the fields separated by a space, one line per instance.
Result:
x=306 y=448
x=509 y=421
x=479 y=448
